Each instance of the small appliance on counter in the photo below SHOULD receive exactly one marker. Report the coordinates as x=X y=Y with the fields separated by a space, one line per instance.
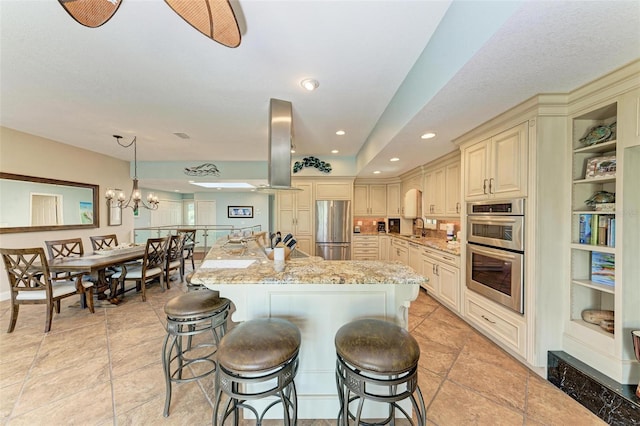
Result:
x=382 y=227
x=356 y=229
x=394 y=226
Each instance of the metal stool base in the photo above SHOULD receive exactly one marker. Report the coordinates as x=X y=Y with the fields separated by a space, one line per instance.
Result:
x=175 y=359
x=357 y=385
x=233 y=384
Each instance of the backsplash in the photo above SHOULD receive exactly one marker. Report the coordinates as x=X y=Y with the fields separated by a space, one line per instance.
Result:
x=367 y=224
x=436 y=233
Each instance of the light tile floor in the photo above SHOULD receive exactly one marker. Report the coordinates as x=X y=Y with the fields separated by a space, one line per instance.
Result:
x=105 y=369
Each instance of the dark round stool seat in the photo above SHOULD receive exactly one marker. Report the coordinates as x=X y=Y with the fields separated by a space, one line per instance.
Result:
x=258 y=359
x=259 y=345
x=377 y=361
x=194 y=304
x=377 y=346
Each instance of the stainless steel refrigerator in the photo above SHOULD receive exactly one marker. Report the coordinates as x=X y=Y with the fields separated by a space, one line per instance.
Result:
x=333 y=229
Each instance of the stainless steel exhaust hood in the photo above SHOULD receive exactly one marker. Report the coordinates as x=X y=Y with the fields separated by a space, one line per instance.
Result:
x=280 y=136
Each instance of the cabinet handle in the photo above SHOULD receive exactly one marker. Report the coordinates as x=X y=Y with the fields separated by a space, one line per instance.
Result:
x=487 y=319
x=447 y=258
x=490 y=185
x=458 y=207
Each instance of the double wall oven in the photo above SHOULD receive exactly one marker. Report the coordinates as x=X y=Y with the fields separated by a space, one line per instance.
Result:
x=495 y=251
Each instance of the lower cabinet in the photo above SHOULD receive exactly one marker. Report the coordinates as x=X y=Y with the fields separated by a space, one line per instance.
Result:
x=383 y=247
x=497 y=322
x=443 y=273
x=364 y=247
x=399 y=251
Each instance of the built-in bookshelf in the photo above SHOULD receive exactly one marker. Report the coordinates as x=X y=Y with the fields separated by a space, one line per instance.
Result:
x=593 y=239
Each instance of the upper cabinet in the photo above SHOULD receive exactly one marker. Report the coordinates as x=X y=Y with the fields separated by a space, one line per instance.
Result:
x=497 y=167
x=442 y=187
x=394 y=200
x=295 y=214
x=370 y=200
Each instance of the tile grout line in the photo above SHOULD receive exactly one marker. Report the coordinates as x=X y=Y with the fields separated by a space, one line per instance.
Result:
x=24 y=381
x=113 y=394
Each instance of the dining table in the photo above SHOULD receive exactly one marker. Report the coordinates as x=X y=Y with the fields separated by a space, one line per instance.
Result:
x=96 y=265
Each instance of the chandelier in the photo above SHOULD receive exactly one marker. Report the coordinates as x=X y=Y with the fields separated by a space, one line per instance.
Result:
x=135 y=199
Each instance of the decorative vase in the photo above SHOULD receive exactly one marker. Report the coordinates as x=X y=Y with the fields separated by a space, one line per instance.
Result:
x=636 y=348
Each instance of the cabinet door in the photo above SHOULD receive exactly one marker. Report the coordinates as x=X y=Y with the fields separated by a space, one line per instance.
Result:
x=403 y=255
x=452 y=190
x=361 y=199
x=285 y=222
x=476 y=158
x=393 y=199
x=428 y=271
x=333 y=191
x=304 y=198
x=439 y=191
x=378 y=200
x=383 y=253
x=509 y=162
x=415 y=258
x=429 y=194
x=303 y=223
x=305 y=245
x=449 y=281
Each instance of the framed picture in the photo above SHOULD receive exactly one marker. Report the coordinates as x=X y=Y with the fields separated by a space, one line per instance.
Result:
x=245 y=212
x=601 y=167
x=115 y=213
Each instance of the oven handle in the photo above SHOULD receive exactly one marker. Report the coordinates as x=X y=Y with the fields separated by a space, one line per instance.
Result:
x=491 y=220
x=493 y=252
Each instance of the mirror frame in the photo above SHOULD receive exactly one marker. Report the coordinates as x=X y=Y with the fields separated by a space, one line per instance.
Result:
x=96 y=205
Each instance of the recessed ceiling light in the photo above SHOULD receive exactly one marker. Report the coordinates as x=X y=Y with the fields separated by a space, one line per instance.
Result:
x=394 y=159
x=334 y=151
x=340 y=132
x=377 y=172
x=309 y=84
x=428 y=135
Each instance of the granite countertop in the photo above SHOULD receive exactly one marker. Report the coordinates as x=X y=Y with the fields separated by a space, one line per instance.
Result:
x=434 y=243
x=310 y=270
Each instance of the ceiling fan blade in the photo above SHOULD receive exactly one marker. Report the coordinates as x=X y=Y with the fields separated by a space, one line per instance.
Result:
x=213 y=18
x=91 y=13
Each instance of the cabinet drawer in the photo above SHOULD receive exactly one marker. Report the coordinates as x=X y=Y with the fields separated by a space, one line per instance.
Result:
x=506 y=329
x=365 y=250
x=449 y=259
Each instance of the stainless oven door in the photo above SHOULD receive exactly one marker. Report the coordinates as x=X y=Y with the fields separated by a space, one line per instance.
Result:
x=496 y=274
x=497 y=231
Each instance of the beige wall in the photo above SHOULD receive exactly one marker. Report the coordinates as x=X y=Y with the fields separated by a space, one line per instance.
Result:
x=26 y=154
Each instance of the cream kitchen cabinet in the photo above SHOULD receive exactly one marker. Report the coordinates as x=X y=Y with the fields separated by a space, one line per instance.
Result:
x=415 y=257
x=383 y=247
x=295 y=214
x=334 y=189
x=497 y=167
x=452 y=203
x=442 y=187
x=399 y=251
x=394 y=200
x=364 y=247
x=443 y=273
x=434 y=192
x=370 y=200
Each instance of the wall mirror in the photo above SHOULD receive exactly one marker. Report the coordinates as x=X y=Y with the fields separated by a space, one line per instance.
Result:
x=30 y=204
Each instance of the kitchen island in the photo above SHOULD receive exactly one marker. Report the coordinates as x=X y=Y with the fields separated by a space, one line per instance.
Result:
x=319 y=297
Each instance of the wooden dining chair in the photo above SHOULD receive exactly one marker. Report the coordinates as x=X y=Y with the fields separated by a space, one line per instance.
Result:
x=175 y=259
x=189 y=246
x=153 y=266
x=31 y=283
x=101 y=242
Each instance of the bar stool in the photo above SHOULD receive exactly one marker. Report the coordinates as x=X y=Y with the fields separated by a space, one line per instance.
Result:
x=188 y=315
x=377 y=361
x=257 y=359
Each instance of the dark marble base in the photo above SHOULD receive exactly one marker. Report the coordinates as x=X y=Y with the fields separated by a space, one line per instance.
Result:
x=613 y=402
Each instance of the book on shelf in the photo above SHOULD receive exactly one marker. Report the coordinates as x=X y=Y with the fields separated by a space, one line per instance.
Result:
x=597 y=229
x=603 y=268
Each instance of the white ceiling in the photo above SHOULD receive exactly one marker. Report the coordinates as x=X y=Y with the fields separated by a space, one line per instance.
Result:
x=148 y=73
